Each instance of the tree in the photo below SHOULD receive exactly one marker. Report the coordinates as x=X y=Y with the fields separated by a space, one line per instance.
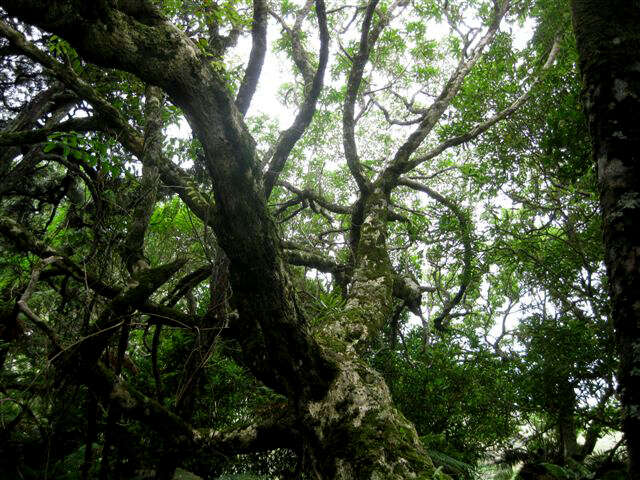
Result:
x=546 y=267
x=232 y=277
x=608 y=42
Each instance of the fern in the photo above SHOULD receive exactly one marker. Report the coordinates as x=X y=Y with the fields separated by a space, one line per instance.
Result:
x=453 y=465
x=506 y=472
x=243 y=476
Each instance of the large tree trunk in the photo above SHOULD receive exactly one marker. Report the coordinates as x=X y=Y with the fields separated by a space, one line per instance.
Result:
x=608 y=37
x=344 y=414
x=358 y=434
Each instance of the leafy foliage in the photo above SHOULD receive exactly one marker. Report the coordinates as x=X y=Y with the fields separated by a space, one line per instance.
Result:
x=502 y=357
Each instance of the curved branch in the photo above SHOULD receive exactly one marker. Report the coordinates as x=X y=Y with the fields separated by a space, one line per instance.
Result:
x=86 y=353
x=301 y=257
x=25 y=241
x=277 y=428
x=187 y=283
x=81 y=169
x=38 y=135
x=242 y=225
x=256 y=57
x=433 y=114
x=298 y=53
x=393 y=121
x=466 y=229
x=46 y=101
x=65 y=74
x=24 y=307
x=171 y=317
x=133 y=248
x=115 y=124
x=484 y=126
x=407 y=289
x=289 y=137
x=315 y=197
x=354 y=80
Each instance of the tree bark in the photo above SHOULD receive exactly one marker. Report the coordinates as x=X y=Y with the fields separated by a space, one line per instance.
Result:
x=608 y=39
x=349 y=426
x=135 y=259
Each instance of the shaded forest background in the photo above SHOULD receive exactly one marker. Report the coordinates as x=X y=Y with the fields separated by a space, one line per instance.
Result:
x=457 y=167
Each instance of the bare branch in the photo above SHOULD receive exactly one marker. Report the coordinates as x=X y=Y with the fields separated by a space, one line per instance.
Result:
x=275 y=428
x=465 y=230
x=317 y=198
x=368 y=38
x=433 y=114
x=484 y=126
x=298 y=53
x=393 y=121
x=289 y=137
x=29 y=137
x=26 y=295
x=256 y=57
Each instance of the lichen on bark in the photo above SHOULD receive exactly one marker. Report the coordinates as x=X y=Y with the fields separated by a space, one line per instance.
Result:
x=349 y=426
x=370 y=302
x=359 y=434
x=608 y=40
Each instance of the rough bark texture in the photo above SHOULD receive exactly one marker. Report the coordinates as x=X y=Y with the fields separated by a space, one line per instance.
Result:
x=370 y=302
x=134 y=253
x=608 y=39
x=357 y=432
x=162 y=55
x=349 y=427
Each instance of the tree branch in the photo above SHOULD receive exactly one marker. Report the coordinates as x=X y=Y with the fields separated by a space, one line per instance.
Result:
x=29 y=137
x=484 y=126
x=368 y=37
x=275 y=428
x=243 y=226
x=289 y=137
x=133 y=248
x=115 y=125
x=86 y=353
x=301 y=257
x=298 y=53
x=24 y=307
x=25 y=241
x=466 y=230
x=433 y=114
x=256 y=57
x=309 y=194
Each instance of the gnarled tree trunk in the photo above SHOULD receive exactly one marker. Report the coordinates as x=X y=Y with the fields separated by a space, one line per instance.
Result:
x=345 y=418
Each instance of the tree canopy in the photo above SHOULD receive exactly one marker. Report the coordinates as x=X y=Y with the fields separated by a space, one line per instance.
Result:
x=407 y=280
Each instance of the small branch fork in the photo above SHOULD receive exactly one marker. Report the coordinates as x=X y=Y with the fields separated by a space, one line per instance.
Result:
x=26 y=295
x=466 y=230
x=409 y=164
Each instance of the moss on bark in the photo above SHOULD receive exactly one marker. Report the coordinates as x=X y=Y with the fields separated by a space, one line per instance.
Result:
x=358 y=432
